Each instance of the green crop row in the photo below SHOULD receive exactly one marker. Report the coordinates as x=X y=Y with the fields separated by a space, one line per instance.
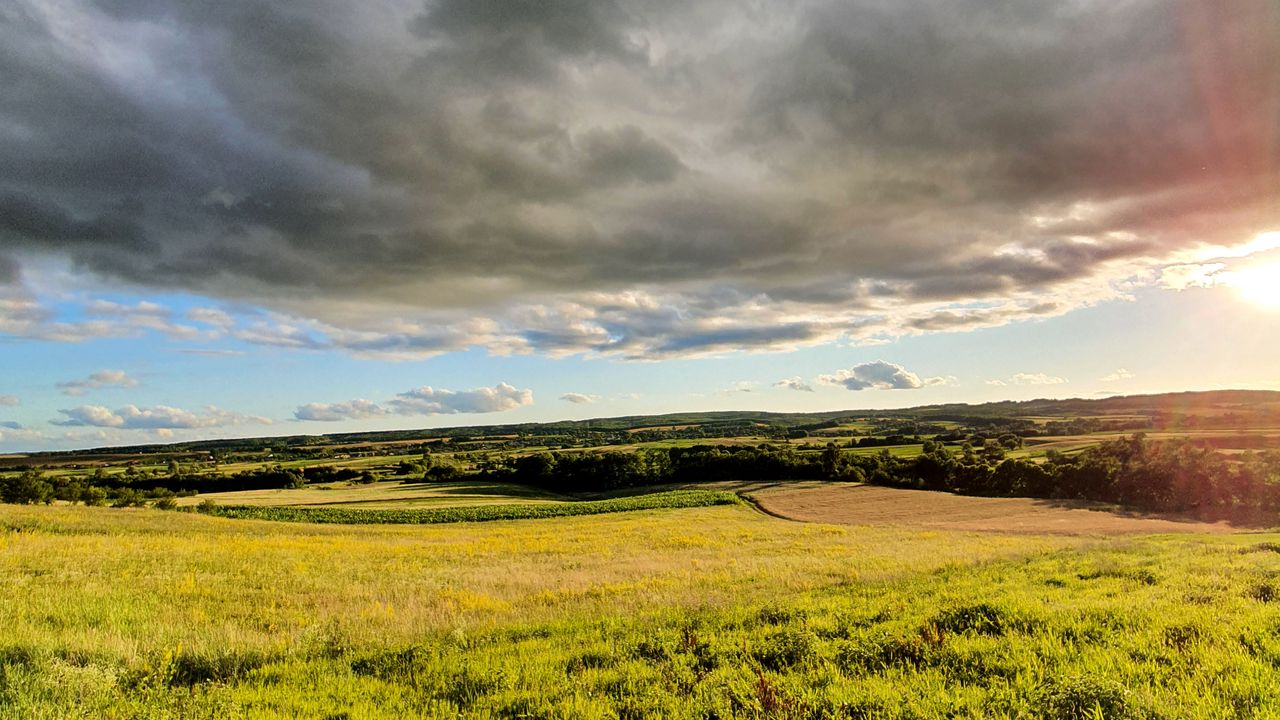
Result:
x=427 y=516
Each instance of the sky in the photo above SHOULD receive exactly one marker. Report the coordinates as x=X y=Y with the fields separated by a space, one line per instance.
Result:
x=248 y=218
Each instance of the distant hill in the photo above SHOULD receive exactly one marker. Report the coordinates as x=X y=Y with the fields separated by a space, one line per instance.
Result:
x=1251 y=403
x=1204 y=402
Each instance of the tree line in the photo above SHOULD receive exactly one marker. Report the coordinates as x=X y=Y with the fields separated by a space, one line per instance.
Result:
x=33 y=487
x=1167 y=475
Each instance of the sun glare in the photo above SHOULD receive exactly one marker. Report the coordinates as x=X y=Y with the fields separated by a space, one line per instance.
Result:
x=1259 y=284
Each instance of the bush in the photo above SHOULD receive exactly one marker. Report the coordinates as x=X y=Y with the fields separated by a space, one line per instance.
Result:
x=94 y=496
x=128 y=498
x=191 y=668
x=785 y=649
x=980 y=618
x=1086 y=696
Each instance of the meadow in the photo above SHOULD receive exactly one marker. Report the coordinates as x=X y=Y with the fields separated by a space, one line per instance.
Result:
x=708 y=612
x=622 y=576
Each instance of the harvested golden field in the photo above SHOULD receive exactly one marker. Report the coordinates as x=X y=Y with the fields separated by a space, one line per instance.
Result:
x=921 y=509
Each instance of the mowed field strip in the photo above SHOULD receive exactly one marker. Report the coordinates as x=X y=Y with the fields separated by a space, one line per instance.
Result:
x=927 y=510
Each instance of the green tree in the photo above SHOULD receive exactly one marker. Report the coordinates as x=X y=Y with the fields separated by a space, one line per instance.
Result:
x=29 y=488
x=94 y=496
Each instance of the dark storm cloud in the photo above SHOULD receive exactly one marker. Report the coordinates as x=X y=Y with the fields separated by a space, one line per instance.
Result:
x=10 y=270
x=523 y=40
x=766 y=174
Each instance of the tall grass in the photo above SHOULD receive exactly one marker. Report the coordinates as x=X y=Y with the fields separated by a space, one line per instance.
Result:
x=692 y=613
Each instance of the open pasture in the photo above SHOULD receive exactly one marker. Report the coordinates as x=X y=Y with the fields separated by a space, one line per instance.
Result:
x=718 y=611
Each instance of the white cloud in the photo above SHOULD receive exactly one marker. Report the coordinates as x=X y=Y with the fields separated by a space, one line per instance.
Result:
x=131 y=417
x=99 y=379
x=143 y=316
x=427 y=400
x=794 y=383
x=207 y=352
x=741 y=386
x=211 y=316
x=23 y=315
x=143 y=308
x=1119 y=374
x=579 y=398
x=1182 y=277
x=1037 y=379
x=10 y=435
x=281 y=334
x=358 y=409
x=880 y=375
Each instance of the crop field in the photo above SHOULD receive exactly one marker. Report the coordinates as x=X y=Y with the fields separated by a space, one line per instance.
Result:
x=353 y=463
x=387 y=494
x=697 y=612
x=894 y=507
x=1254 y=437
x=748 y=441
x=475 y=513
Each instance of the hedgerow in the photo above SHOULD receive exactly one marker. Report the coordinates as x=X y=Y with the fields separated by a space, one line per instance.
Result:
x=480 y=513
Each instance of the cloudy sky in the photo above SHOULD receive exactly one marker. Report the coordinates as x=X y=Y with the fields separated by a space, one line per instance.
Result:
x=242 y=217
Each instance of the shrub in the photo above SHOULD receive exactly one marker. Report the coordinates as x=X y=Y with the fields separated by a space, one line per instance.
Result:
x=1265 y=592
x=980 y=618
x=190 y=668
x=127 y=498
x=94 y=496
x=785 y=649
x=1086 y=696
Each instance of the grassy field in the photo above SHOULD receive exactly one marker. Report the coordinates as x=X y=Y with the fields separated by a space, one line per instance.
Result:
x=702 y=612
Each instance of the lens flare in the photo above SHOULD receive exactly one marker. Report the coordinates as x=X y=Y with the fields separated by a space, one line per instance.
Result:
x=1259 y=284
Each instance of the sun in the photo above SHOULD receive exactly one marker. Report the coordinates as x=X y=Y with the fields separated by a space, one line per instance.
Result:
x=1259 y=284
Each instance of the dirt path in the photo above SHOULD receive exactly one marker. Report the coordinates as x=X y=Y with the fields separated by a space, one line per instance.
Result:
x=871 y=505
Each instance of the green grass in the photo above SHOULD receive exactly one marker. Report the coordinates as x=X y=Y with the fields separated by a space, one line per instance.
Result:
x=688 y=613
x=748 y=441
x=355 y=463
x=474 y=513
x=385 y=494
x=902 y=451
